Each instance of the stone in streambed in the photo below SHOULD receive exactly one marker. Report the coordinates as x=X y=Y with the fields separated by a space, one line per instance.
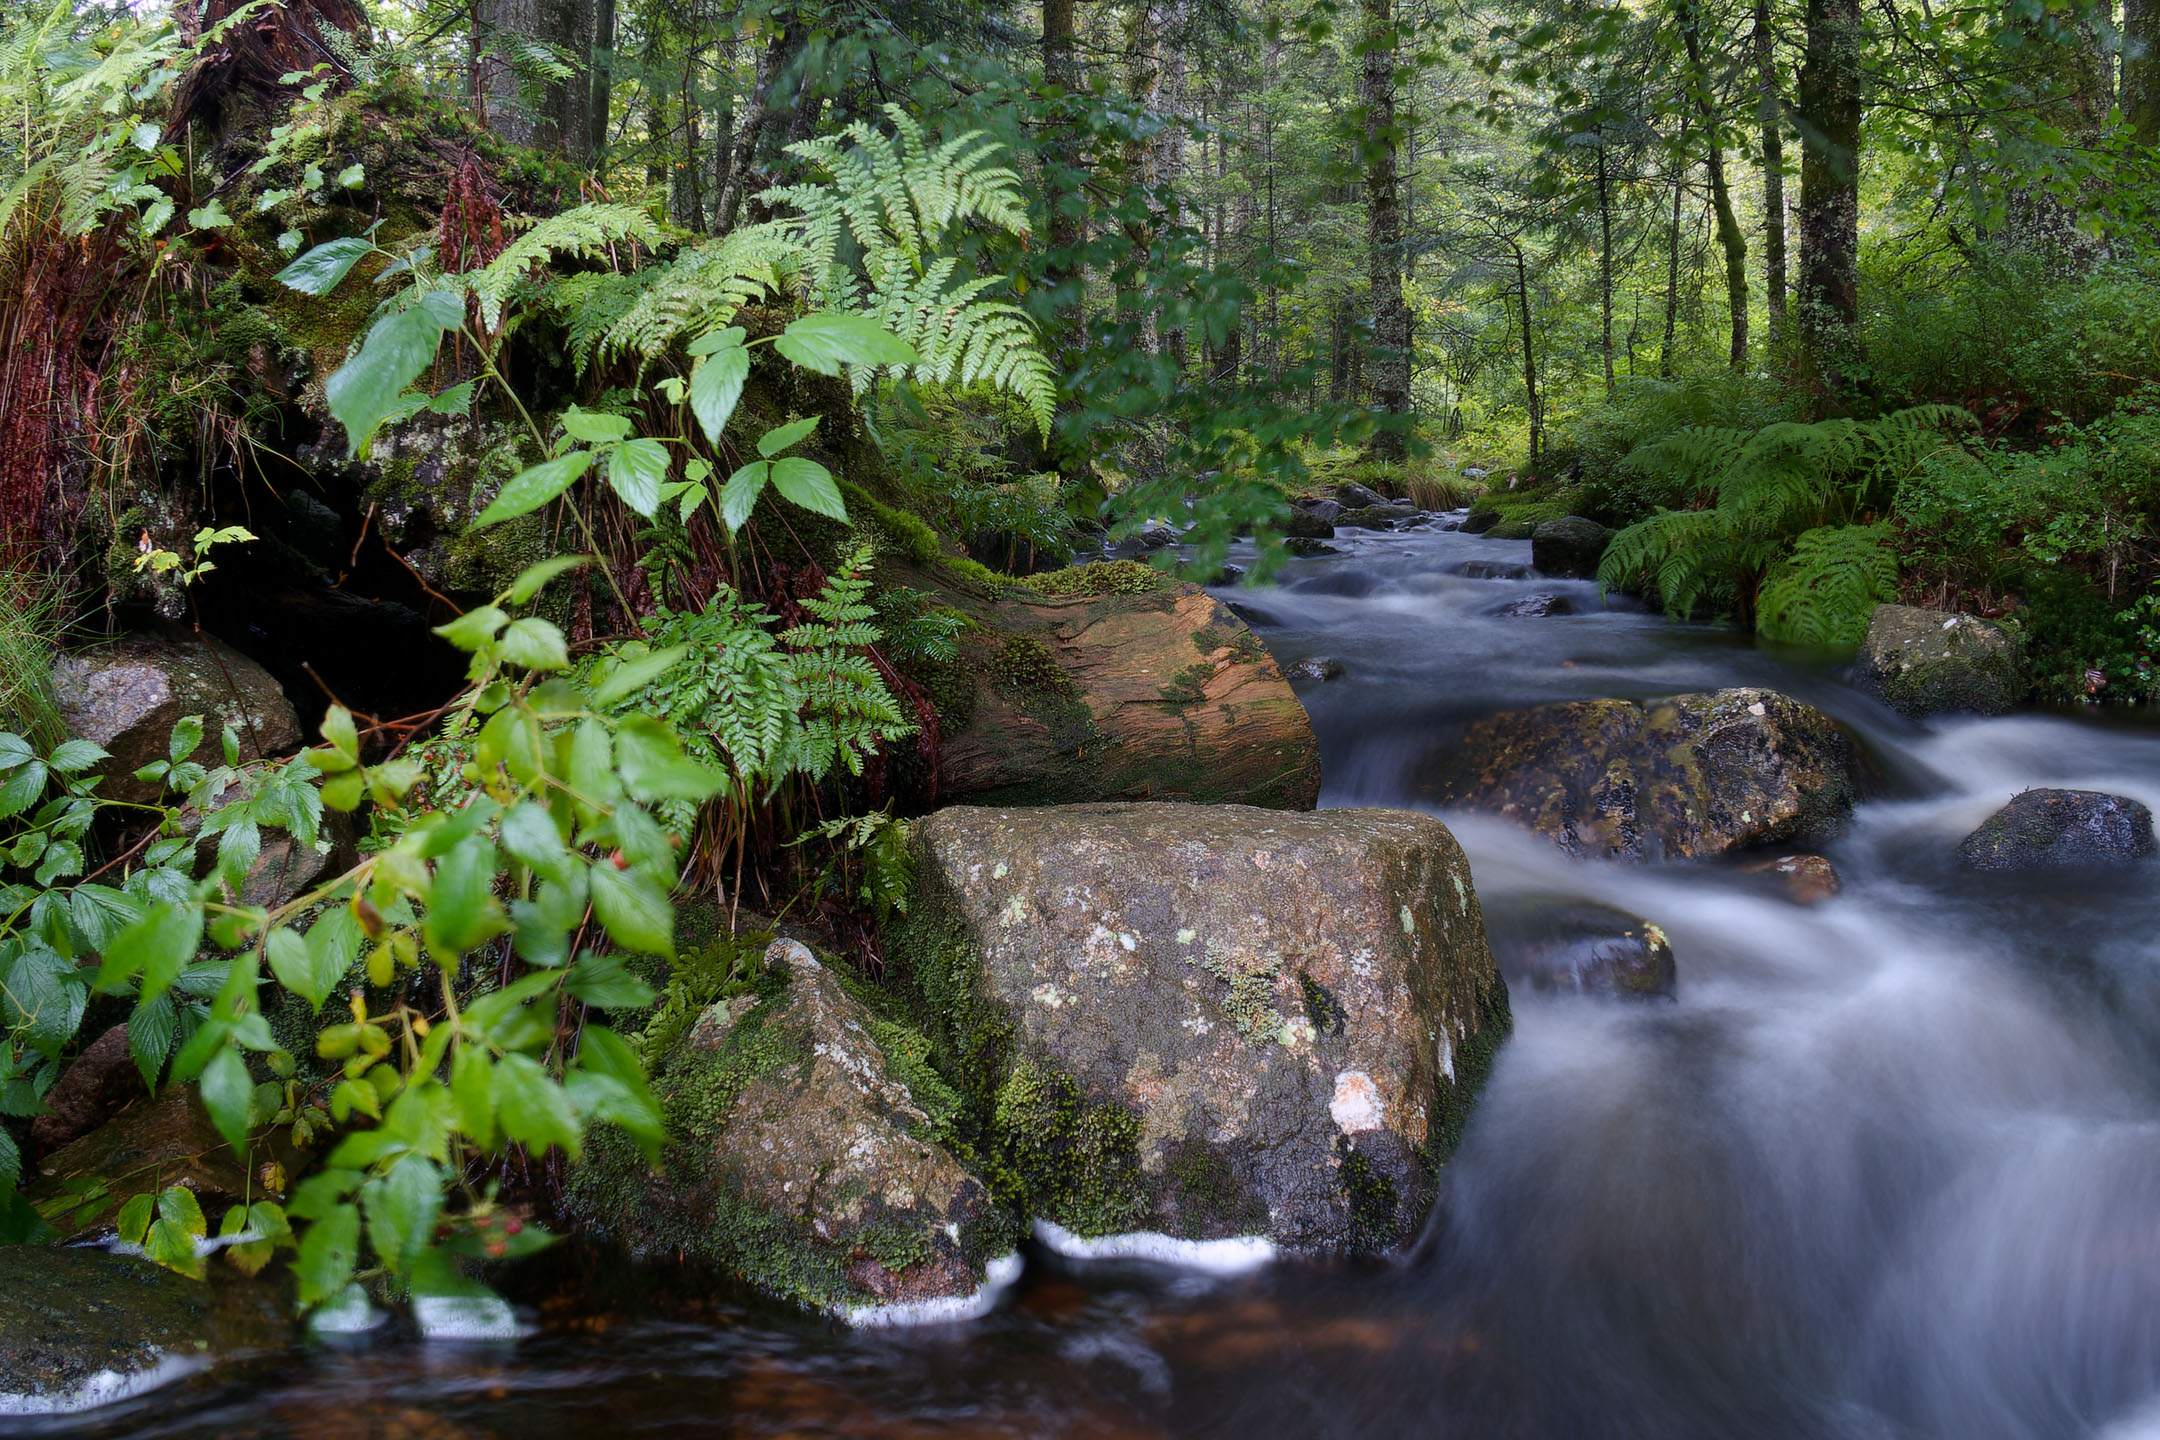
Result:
x=1681 y=778
x=1804 y=879
x=1206 y=1021
x=2061 y=830
x=126 y=697
x=160 y=1141
x=1581 y=947
x=1317 y=669
x=1383 y=516
x=1353 y=496
x=1307 y=525
x=1477 y=522
x=1930 y=662
x=1538 y=605
x=1569 y=546
x=808 y=1153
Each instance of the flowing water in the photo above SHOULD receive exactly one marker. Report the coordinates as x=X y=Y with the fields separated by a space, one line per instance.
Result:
x=1890 y=1167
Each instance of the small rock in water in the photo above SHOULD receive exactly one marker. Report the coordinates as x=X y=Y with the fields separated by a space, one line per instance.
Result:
x=1580 y=947
x=1306 y=548
x=1570 y=545
x=2061 y=830
x=1317 y=668
x=1228 y=575
x=1357 y=497
x=1477 y=522
x=1323 y=511
x=1157 y=536
x=1309 y=525
x=1929 y=662
x=1352 y=583
x=1378 y=517
x=1491 y=570
x=1539 y=604
x=1805 y=879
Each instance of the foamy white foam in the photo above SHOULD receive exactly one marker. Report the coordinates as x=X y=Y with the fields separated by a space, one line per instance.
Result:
x=998 y=1276
x=1219 y=1257
x=349 y=1314
x=466 y=1317
x=107 y=1387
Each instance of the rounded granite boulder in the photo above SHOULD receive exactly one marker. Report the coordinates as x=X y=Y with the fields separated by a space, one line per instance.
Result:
x=2061 y=830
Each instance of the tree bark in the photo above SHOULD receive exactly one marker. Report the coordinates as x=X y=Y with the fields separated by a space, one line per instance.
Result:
x=743 y=160
x=1529 y=355
x=1770 y=115
x=1827 y=304
x=1730 y=237
x=1672 y=258
x=1605 y=258
x=1061 y=75
x=1391 y=317
x=2140 y=94
x=603 y=80
x=550 y=115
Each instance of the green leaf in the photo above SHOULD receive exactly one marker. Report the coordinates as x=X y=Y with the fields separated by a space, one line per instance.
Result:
x=536 y=644
x=462 y=912
x=133 y=1221
x=328 y=1252
x=534 y=578
x=529 y=834
x=75 y=756
x=401 y=1207
x=594 y=427
x=178 y=1205
x=630 y=676
x=601 y=1052
x=156 y=948
x=634 y=907
x=319 y=271
x=740 y=495
x=474 y=628
x=457 y=400
x=186 y=738
x=210 y=216
x=602 y=982
x=654 y=767
x=534 y=1110
x=529 y=489
x=226 y=1091
x=637 y=469
x=808 y=484
x=716 y=385
x=780 y=437
x=151 y=1032
x=828 y=340
x=472 y=1095
x=10 y=1167
x=338 y=729
x=398 y=347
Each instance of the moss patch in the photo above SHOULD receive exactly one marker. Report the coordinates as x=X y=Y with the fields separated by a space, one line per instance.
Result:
x=1104 y=577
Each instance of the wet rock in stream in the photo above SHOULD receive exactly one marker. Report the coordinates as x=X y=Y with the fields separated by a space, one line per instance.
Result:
x=1210 y=1021
x=1569 y=546
x=1538 y=605
x=1802 y=879
x=1930 y=662
x=2061 y=830
x=1581 y=947
x=1684 y=777
x=1316 y=669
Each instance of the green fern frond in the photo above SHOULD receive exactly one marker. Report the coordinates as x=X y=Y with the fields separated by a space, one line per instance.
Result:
x=585 y=231
x=1825 y=592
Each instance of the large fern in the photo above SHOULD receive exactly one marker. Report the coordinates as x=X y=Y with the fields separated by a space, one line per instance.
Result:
x=901 y=202
x=644 y=312
x=587 y=230
x=1779 y=525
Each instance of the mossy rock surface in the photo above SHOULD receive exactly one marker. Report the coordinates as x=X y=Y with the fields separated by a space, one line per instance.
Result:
x=1164 y=693
x=1932 y=662
x=806 y=1153
x=1673 y=779
x=82 y=1327
x=1205 y=1021
x=2061 y=830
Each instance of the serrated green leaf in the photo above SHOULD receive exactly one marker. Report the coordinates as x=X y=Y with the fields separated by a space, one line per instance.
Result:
x=462 y=912
x=529 y=489
x=636 y=470
x=186 y=738
x=535 y=643
x=828 y=340
x=74 y=756
x=319 y=271
x=602 y=982
x=808 y=484
x=226 y=1092
x=740 y=495
x=472 y=1095
x=368 y=387
x=630 y=676
x=594 y=427
x=653 y=765
x=716 y=386
x=634 y=907
x=534 y=578
x=328 y=1251
x=532 y=1109
x=780 y=437
x=475 y=628
x=155 y=948
x=401 y=1206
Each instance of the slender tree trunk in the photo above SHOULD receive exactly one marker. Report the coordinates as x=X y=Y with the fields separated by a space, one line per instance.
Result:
x=1827 y=305
x=1770 y=113
x=1535 y=404
x=603 y=80
x=2140 y=93
x=1730 y=237
x=756 y=113
x=1605 y=258
x=1391 y=317
x=1672 y=259
x=1061 y=160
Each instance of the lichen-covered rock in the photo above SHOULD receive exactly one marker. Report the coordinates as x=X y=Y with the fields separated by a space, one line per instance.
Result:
x=1579 y=947
x=2061 y=830
x=1680 y=778
x=1478 y=521
x=1929 y=662
x=1206 y=1021
x=807 y=1153
x=81 y=1328
x=1097 y=697
x=126 y=697
x=1570 y=545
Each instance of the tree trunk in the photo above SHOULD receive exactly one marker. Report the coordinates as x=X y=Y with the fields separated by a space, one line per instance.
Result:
x=743 y=160
x=545 y=116
x=1529 y=356
x=1672 y=259
x=1391 y=317
x=2140 y=95
x=1730 y=237
x=1605 y=258
x=1771 y=116
x=603 y=80
x=1827 y=304
x=1061 y=75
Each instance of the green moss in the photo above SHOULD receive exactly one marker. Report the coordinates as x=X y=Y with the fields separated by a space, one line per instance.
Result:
x=1104 y=577
x=1027 y=667
x=1188 y=686
x=1243 y=645
x=1205 y=1197
x=1375 y=1206
x=1474 y=1059
x=1251 y=981
x=718 y=968
x=1064 y=1157
x=1321 y=1007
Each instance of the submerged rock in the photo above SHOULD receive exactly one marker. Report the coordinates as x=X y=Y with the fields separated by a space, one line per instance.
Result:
x=1206 y=1022
x=1324 y=511
x=1680 y=778
x=1317 y=669
x=1538 y=605
x=1570 y=546
x=808 y=1153
x=1384 y=515
x=1928 y=662
x=127 y=696
x=1805 y=879
x=1306 y=548
x=1309 y=525
x=82 y=1328
x=1086 y=697
x=2061 y=830
x=1477 y=522
x=1581 y=947
x=1492 y=570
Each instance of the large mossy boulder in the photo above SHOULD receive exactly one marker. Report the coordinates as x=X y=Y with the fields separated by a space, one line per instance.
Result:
x=1930 y=662
x=1163 y=693
x=81 y=1328
x=807 y=1154
x=1205 y=1021
x=2061 y=830
x=126 y=697
x=1569 y=546
x=1681 y=778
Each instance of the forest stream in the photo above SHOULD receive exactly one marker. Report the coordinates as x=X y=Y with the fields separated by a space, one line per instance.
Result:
x=1889 y=1166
